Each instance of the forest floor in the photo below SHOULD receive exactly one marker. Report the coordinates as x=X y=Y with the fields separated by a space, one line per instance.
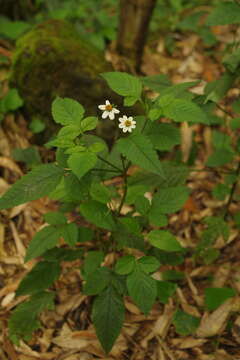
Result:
x=67 y=332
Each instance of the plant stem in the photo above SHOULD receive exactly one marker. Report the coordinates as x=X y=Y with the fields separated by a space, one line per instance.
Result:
x=125 y=169
x=234 y=186
x=109 y=163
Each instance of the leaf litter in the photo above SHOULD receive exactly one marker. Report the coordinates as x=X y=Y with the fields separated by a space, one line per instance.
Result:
x=67 y=332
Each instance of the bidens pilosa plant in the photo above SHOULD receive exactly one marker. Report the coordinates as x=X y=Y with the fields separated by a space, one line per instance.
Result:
x=140 y=239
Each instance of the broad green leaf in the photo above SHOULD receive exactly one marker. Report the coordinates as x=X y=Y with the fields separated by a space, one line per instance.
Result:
x=80 y=163
x=181 y=110
x=142 y=205
x=92 y=261
x=164 y=136
x=55 y=218
x=42 y=241
x=224 y=13
x=139 y=150
x=220 y=157
x=85 y=234
x=185 y=324
x=98 y=214
x=70 y=233
x=130 y=100
x=128 y=233
x=217 y=89
x=97 y=281
x=220 y=191
x=167 y=258
x=148 y=264
x=164 y=240
x=30 y=156
x=108 y=316
x=156 y=82
x=77 y=190
x=13 y=29
x=97 y=147
x=179 y=90
x=156 y=218
x=142 y=288
x=23 y=320
x=37 y=125
x=62 y=254
x=11 y=101
x=172 y=275
x=124 y=84
x=214 y=297
x=67 y=111
x=231 y=61
x=41 y=277
x=125 y=265
x=170 y=200
x=89 y=123
x=100 y=193
x=165 y=290
x=217 y=226
x=133 y=192
x=42 y=180
x=69 y=132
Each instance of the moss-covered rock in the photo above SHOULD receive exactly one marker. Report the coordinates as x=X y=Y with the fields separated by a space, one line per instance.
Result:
x=52 y=60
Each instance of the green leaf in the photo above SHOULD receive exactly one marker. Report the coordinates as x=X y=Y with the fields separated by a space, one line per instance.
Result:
x=172 y=275
x=62 y=254
x=156 y=82
x=156 y=218
x=217 y=89
x=108 y=316
x=11 y=101
x=164 y=136
x=181 y=110
x=133 y=192
x=55 y=218
x=13 y=29
x=92 y=261
x=142 y=205
x=124 y=84
x=77 y=190
x=100 y=193
x=41 y=277
x=23 y=320
x=42 y=241
x=170 y=200
x=125 y=265
x=220 y=157
x=85 y=234
x=231 y=61
x=98 y=214
x=38 y=183
x=179 y=90
x=37 y=125
x=128 y=233
x=81 y=163
x=139 y=150
x=70 y=233
x=220 y=191
x=142 y=288
x=130 y=100
x=164 y=240
x=67 y=111
x=214 y=297
x=225 y=13
x=97 y=281
x=30 y=156
x=185 y=324
x=89 y=123
x=165 y=290
x=167 y=258
x=148 y=264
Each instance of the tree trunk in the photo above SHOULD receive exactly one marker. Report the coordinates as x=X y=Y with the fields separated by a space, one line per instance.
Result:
x=135 y=16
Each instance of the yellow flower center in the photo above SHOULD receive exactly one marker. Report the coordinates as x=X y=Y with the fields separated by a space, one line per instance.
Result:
x=128 y=123
x=108 y=107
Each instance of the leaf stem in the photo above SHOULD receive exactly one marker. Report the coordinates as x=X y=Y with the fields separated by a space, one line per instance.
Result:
x=109 y=163
x=125 y=169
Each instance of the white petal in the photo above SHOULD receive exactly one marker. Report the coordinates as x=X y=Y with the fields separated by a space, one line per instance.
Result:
x=134 y=122
x=116 y=111
x=125 y=129
x=111 y=115
x=121 y=126
x=107 y=102
x=130 y=118
x=105 y=114
x=133 y=126
x=130 y=129
x=101 y=107
x=124 y=117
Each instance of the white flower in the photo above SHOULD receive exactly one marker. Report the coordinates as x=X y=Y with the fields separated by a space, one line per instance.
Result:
x=127 y=124
x=108 y=110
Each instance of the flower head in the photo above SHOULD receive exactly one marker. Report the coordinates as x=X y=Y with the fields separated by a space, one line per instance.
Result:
x=127 y=123
x=108 y=110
